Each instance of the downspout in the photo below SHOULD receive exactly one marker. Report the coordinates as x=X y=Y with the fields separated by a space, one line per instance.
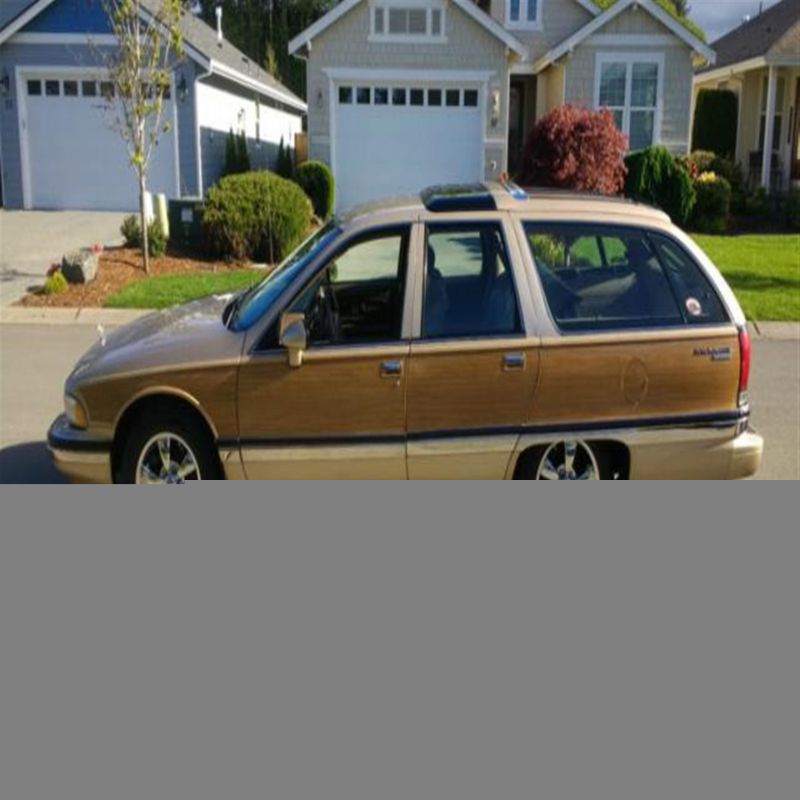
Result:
x=198 y=134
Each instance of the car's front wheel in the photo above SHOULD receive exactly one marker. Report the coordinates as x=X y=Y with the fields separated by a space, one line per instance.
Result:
x=168 y=451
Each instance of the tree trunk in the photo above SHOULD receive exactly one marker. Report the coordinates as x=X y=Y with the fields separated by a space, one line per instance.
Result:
x=144 y=222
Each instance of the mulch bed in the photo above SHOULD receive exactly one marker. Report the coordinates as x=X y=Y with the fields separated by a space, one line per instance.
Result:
x=117 y=269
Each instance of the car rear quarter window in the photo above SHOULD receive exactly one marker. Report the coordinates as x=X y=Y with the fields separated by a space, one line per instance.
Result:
x=697 y=297
x=598 y=277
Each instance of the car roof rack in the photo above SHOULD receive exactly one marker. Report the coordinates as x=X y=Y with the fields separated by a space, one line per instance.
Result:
x=458 y=197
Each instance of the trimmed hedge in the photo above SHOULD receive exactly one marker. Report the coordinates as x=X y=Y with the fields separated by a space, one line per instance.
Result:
x=257 y=215
x=654 y=176
x=713 y=205
x=792 y=210
x=715 y=122
x=316 y=180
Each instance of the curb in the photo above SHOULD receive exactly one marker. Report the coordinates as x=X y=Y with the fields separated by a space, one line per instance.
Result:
x=21 y=315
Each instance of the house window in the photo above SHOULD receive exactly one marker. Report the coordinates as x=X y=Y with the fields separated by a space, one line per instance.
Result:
x=780 y=90
x=345 y=95
x=52 y=88
x=34 y=88
x=523 y=13
x=471 y=98
x=630 y=88
x=412 y=20
x=89 y=88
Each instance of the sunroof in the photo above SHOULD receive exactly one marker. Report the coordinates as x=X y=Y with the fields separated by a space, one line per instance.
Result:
x=458 y=197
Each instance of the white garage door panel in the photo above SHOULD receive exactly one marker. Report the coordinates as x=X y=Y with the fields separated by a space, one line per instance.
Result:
x=383 y=151
x=77 y=162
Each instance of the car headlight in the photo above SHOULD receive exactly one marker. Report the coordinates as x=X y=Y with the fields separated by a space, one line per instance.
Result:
x=76 y=413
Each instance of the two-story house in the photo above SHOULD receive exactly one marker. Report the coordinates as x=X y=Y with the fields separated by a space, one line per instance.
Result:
x=404 y=93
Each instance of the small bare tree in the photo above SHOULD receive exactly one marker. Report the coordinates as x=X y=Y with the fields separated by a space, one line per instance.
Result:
x=140 y=67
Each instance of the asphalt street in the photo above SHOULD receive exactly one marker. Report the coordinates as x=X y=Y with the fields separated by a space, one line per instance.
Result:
x=36 y=359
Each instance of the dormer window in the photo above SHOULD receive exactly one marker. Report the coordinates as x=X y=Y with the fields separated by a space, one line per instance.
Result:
x=523 y=14
x=415 y=21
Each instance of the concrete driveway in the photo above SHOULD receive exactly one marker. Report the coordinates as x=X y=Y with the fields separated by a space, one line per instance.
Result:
x=30 y=241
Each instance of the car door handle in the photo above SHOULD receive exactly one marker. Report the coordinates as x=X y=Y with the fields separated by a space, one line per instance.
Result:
x=513 y=361
x=391 y=369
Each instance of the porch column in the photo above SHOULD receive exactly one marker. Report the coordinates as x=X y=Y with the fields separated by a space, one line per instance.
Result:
x=769 y=128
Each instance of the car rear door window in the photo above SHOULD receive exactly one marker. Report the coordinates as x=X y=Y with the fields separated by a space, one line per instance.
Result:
x=597 y=277
x=469 y=287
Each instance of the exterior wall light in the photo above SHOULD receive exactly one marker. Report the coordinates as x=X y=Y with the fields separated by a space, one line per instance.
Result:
x=5 y=83
x=183 y=89
x=495 y=107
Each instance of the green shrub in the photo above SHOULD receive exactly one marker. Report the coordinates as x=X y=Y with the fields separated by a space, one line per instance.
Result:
x=654 y=176
x=792 y=210
x=316 y=180
x=258 y=215
x=758 y=205
x=131 y=232
x=56 y=284
x=156 y=239
x=715 y=122
x=713 y=205
x=237 y=157
x=284 y=165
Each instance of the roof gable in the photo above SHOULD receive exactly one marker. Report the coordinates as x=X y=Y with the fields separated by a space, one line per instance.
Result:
x=775 y=31
x=200 y=41
x=651 y=7
x=305 y=38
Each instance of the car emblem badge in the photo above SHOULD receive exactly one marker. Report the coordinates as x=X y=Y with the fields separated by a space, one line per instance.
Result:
x=693 y=307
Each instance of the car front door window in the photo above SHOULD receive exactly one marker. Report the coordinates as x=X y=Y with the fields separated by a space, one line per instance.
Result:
x=359 y=296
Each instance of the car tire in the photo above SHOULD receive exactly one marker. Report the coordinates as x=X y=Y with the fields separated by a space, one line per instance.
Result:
x=537 y=463
x=185 y=440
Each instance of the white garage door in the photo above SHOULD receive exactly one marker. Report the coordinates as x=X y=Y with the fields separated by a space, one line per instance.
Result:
x=75 y=160
x=395 y=140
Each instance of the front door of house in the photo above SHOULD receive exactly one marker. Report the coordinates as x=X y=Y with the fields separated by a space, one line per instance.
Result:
x=796 y=136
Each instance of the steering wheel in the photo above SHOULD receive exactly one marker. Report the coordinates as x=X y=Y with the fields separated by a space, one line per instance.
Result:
x=330 y=308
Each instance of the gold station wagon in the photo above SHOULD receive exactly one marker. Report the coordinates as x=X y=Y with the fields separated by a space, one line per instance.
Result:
x=473 y=332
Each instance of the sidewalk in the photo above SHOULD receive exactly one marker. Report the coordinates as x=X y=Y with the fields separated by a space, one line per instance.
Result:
x=19 y=315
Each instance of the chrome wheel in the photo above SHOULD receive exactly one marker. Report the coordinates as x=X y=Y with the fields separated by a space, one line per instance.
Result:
x=571 y=460
x=167 y=458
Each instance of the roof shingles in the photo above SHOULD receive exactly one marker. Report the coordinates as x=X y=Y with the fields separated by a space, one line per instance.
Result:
x=774 y=32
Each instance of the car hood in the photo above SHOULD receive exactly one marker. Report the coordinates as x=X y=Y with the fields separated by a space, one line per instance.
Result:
x=174 y=337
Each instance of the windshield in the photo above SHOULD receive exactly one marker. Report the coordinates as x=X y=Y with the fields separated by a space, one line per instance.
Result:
x=256 y=301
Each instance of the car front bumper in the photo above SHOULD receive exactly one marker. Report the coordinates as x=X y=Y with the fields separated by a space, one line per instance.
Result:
x=79 y=455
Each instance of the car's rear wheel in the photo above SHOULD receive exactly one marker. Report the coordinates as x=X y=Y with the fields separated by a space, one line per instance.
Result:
x=566 y=460
x=168 y=451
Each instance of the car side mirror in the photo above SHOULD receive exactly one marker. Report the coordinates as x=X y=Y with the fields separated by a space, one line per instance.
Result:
x=294 y=339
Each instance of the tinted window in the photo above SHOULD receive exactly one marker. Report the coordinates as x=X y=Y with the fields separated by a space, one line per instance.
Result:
x=469 y=289
x=597 y=278
x=259 y=299
x=359 y=296
x=699 y=301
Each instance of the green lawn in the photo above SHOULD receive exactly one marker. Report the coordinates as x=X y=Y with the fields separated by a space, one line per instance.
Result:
x=169 y=290
x=763 y=271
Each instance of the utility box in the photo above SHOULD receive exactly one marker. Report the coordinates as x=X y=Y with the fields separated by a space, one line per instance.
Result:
x=186 y=223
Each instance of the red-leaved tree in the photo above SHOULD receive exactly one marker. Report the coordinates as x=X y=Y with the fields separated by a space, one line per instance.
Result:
x=574 y=148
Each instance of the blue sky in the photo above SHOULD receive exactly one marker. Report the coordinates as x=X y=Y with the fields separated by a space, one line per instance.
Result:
x=717 y=17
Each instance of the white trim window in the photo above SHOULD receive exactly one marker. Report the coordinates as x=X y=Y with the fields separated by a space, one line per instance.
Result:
x=407 y=21
x=631 y=86
x=777 y=131
x=524 y=14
